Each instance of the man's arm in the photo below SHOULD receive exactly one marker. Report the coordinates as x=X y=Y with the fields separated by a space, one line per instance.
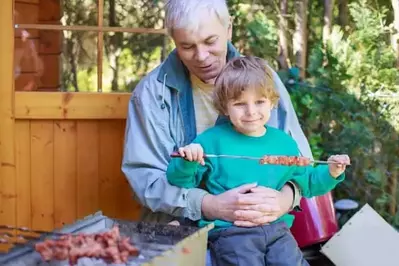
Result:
x=293 y=195
x=147 y=150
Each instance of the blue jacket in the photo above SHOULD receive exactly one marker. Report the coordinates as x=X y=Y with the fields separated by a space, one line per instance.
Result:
x=160 y=119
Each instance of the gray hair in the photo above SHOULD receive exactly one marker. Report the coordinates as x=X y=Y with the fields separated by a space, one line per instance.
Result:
x=188 y=14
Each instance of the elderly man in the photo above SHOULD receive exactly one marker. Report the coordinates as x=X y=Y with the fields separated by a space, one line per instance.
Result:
x=172 y=104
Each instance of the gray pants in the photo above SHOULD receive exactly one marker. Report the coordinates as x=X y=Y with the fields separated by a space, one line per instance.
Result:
x=268 y=245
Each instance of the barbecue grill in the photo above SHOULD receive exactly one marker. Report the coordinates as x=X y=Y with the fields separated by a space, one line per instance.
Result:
x=159 y=244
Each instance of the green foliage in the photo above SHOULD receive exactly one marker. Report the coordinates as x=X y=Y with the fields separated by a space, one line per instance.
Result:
x=262 y=37
x=254 y=32
x=340 y=113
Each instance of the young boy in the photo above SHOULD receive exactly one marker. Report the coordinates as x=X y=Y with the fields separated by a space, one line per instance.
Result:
x=244 y=93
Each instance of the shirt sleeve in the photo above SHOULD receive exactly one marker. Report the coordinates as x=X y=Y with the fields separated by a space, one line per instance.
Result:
x=186 y=174
x=315 y=181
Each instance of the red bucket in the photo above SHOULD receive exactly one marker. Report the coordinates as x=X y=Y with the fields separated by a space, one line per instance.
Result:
x=316 y=223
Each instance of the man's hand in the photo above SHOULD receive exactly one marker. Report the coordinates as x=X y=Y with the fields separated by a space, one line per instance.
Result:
x=248 y=205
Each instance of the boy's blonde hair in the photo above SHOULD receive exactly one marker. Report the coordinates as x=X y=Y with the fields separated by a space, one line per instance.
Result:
x=241 y=74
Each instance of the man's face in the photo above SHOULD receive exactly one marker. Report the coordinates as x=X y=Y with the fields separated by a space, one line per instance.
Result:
x=203 y=51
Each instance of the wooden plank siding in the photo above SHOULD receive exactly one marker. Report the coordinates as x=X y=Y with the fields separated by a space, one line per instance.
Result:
x=87 y=172
x=23 y=173
x=67 y=169
x=42 y=174
x=71 y=105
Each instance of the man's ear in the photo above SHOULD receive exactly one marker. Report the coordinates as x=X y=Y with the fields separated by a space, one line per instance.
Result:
x=230 y=29
x=231 y=19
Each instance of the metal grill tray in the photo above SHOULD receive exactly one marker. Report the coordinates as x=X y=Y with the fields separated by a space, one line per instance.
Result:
x=151 y=240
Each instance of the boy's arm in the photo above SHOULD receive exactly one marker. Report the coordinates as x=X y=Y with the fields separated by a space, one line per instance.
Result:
x=312 y=181
x=185 y=174
x=315 y=181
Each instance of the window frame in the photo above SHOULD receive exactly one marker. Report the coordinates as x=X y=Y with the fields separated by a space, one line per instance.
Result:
x=100 y=29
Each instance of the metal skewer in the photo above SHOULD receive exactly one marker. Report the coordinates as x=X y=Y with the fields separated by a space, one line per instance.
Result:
x=176 y=155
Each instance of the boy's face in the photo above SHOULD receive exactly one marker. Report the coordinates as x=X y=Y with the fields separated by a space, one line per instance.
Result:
x=249 y=113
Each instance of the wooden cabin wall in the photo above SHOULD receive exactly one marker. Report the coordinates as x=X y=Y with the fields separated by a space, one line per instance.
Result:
x=60 y=153
x=68 y=154
x=67 y=169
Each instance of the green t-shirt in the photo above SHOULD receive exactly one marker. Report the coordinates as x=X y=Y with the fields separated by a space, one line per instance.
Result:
x=222 y=174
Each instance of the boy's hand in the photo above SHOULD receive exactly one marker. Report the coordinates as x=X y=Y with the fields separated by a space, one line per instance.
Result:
x=193 y=152
x=337 y=169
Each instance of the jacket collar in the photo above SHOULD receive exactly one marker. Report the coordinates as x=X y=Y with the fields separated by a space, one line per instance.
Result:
x=177 y=74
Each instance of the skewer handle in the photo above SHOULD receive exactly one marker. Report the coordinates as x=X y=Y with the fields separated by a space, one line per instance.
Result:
x=175 y=154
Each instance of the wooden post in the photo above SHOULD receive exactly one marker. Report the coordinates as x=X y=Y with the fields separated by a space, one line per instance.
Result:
x=7 y=125
x=100 y=44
